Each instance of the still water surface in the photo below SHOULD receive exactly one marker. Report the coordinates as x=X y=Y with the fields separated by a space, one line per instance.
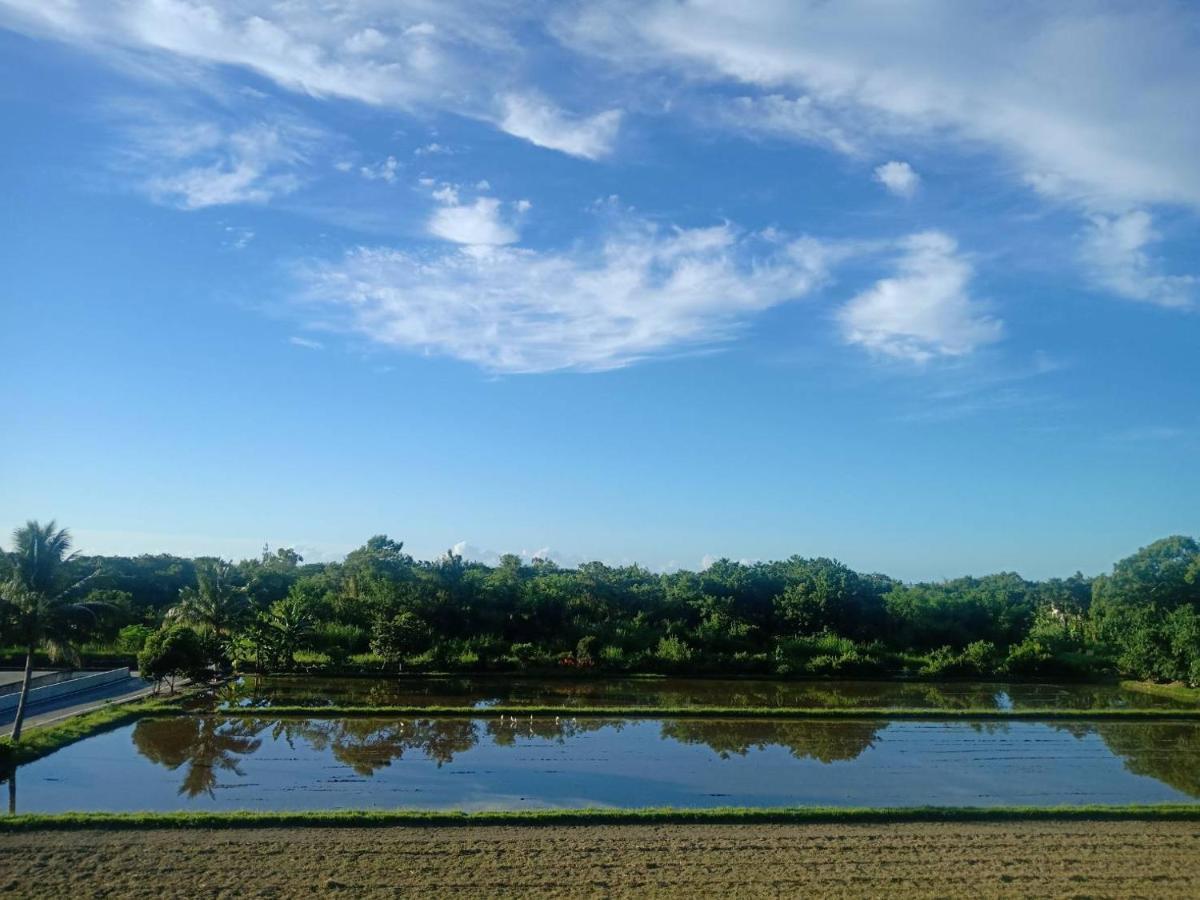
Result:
x=485 y=691
x=484 y=763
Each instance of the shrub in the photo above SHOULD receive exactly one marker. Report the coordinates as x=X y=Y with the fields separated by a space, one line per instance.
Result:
x=132 y=638
x=368 y=661
x=583 y=650
x=339 y=641
x=673 y=651
x=826 y=654
x=171 y=652
x=522 y=654
x=612 y=657
x=312 y=658
x=979 y=658
x=400 y=636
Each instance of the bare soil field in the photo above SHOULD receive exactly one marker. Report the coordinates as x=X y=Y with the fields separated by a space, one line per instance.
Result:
x=1045 y=859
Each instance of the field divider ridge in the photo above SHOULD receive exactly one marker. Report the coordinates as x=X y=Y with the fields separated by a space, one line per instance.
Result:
x=606 y=816
x=696 y=712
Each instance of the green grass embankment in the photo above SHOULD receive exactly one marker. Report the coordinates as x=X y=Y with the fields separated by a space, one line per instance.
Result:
x=1177 y=691
x=560 y=817
x=696 y=712
x=43 y=740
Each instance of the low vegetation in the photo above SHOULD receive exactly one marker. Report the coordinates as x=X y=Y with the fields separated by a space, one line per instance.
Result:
x=381 y=611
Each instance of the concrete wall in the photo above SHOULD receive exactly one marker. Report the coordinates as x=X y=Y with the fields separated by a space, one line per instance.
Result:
x=84 y=682
x=41 y=680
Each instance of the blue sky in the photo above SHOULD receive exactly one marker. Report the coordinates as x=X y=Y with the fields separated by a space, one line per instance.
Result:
x=912 y=285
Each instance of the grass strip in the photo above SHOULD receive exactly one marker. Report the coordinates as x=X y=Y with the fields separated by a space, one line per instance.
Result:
x=1177 y=691
x=559 y=817
x=695 y=712
x=43 y=740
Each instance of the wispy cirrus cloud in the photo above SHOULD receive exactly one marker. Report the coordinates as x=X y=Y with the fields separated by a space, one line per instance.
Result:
x=797 y=118
x=1118 y=124
x=463 y=58
x=641 y=291
x=1117 y=132
x=192 y=157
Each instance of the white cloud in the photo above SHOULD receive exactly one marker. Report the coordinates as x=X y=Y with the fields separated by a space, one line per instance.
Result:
x=540 y=122
x=417 y=55
x=478 y=223
x=472 y=553
x=237 y=237
x=1099 y=98
x=796 y=118
x=199 y=163
x=444 y=193
x=385 y=171
x=1114 y=252
x=924 y=310
x=644 y=291
x=898 y=177
x=306 y=343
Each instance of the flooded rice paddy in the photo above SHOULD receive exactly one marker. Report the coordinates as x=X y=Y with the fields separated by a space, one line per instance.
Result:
x=221 y=763
x=484 y=691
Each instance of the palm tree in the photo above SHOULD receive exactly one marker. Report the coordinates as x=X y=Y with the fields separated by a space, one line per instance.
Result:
x=36 y=601
x=215 y=603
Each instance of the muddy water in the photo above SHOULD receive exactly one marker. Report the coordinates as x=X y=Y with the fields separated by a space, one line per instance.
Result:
x=484 y=691
x=485 y=763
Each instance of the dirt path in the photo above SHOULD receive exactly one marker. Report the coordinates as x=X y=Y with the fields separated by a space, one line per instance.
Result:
x=1097 y=859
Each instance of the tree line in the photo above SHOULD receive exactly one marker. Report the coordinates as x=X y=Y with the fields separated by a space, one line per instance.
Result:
x=382 y=610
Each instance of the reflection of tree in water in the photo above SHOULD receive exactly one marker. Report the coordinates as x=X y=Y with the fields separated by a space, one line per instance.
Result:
x=367 y=745
x=826 y=742
x=1167 y=751
x=205 y=745
x=506 y=732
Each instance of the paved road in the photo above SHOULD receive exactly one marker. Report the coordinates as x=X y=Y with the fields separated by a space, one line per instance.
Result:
x=64 y=707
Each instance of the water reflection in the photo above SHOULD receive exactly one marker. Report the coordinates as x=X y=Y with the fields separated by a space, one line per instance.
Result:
x=484 y=691
x=258 y=762
x=1166 y=751
x=845 y=741
x=206 y=746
